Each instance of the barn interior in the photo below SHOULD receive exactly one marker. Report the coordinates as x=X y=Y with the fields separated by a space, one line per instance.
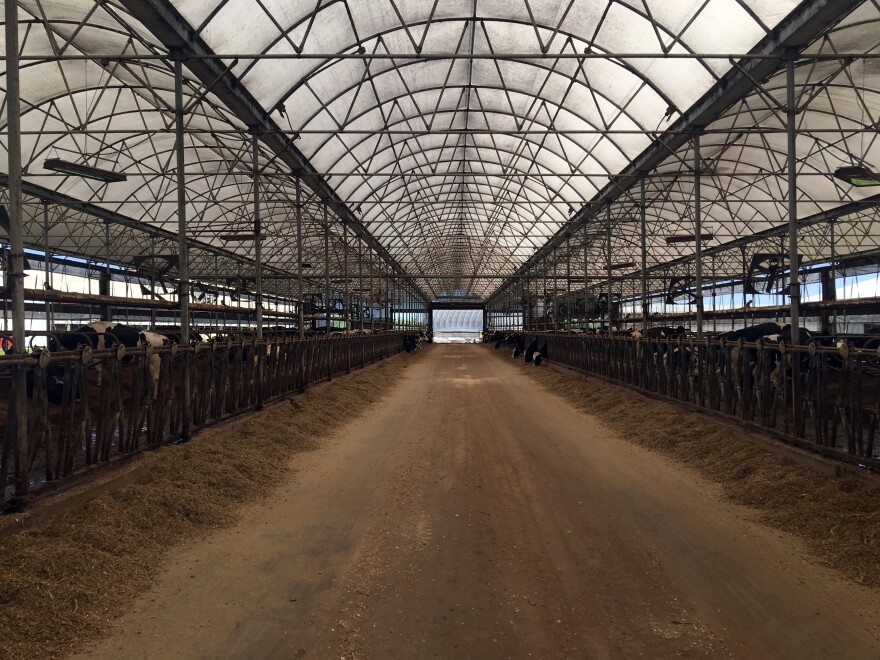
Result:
x=287 y=191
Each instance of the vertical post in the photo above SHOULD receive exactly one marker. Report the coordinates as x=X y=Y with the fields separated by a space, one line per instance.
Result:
x=373 y=308
x=299 y=257
x=152 y=280
x=698 y=236
x=361 y=282
x=646 y=311
x=105 y=276
x=327 y=309
x=258 y=233
x=586 y=276
x=391 y=303
x=16 y=248
x=794 y=266
x=183 y=268
x=544 y=315
x=567 y=283
x=832 y=278
x=346 y=297
x=258 y=265
x=555 y=290
x=48 y=265
x=610 y=297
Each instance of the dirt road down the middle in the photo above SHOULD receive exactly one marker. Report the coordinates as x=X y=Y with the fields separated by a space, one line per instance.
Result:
x=475 y=515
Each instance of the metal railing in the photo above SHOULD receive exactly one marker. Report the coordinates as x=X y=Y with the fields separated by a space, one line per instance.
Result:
x=824 y=398
x=88 y=407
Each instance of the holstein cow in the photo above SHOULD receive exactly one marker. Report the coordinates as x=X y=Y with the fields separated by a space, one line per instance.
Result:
x=531 y=349
x=411 y=342
x=104 y=334
x=541 y=355
x=519 y=344
x=774 y=333
x=54 y=384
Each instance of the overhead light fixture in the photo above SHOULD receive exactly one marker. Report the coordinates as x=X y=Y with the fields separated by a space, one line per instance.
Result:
x=237 y=237
x=306 y=265
x=626 y=264
x=84 y=171
x=687 y=238
x=858 y=176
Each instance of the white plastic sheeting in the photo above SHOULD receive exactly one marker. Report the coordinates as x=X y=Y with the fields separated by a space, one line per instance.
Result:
x=457 y=325
x=459 y=166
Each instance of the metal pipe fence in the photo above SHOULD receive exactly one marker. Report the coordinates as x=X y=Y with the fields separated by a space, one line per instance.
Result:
x=93 y=406
x=836 y=411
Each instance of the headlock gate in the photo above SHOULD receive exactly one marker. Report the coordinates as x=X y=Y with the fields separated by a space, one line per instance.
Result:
x=92 y=406
x=823 y=398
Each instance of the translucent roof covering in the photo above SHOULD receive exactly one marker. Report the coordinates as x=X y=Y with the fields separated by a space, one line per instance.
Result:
x=463 y=135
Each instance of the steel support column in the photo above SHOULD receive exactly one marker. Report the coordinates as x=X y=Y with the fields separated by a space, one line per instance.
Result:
x=609 y=297
x=258 y=234
x=646 y=308
x=698 y=237
x=15 y=268
x=586 y=247
x=794 y=266
x=183 y=256
x=794 y=284
x=555 y=290
x=327 y=311
x=361 y=282
x=346 y=299
x=258 y=265
x=567 y=283
x=299 y=259
x=47 y=265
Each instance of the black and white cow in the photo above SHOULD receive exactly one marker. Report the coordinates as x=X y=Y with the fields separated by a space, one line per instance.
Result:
x=519 y=344
x=772 y=333
x=541 y=355
x=531 y=349
x=106 y=334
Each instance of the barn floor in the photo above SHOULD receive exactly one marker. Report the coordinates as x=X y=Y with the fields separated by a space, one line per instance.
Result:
x=473 y=515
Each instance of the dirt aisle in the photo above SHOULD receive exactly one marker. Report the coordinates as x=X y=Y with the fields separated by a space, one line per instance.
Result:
x=472 y=515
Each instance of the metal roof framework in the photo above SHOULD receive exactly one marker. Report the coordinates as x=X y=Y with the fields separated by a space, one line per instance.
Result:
x=462 y=141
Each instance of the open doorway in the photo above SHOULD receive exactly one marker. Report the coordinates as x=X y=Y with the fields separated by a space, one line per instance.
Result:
x=457 y=326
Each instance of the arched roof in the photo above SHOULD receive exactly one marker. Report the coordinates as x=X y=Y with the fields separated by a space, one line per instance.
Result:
x=465 y=133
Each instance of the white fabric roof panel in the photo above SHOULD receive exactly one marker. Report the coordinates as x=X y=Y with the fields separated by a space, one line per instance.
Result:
x=440 y=200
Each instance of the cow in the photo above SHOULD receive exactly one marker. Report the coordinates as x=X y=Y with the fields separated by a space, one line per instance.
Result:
x=95 y=334
x=541 y=355
x=661 y=332
x=772 y=333
x=55 y=377
x=531 y=349
x=105 y=334
x=411 y=342
x=519 y=344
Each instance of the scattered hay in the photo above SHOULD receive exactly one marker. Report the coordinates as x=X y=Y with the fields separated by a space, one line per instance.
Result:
x=66 y=577
x=839 y=519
